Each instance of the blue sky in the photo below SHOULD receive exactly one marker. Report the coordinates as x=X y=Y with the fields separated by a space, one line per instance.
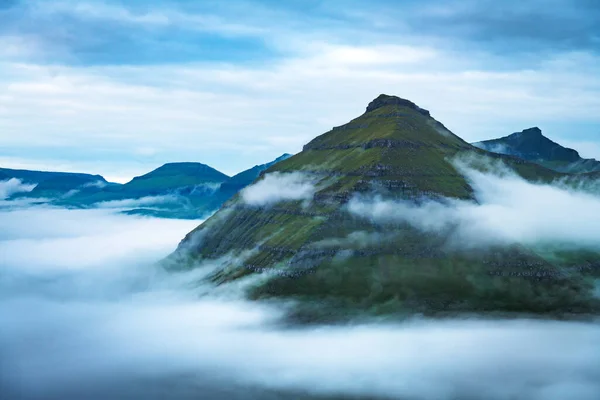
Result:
x=120 y=87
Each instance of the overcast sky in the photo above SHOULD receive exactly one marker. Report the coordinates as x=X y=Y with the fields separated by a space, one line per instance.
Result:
x=120 y=87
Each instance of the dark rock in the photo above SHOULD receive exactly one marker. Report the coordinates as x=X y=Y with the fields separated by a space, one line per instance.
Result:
x=385 y=100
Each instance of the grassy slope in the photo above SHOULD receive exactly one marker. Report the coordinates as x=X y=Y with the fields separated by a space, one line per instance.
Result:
x=399 y=153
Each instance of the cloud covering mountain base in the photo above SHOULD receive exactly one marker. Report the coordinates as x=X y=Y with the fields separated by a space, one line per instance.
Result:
x=86 y=315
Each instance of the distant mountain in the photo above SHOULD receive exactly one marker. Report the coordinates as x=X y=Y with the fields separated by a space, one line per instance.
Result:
x=295 y=226
x=52 y=185
x=175 y=175
x=174 y=190
x=27 y=176
x=532 y=145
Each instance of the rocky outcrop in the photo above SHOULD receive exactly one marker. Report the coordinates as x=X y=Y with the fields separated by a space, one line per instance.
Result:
x=385 y=100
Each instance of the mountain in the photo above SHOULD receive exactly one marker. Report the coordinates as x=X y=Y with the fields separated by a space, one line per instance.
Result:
x=195 y=190
x=174 y=190
x=532 y=145
x=52 y=185
x=59 y=178
x=310 y=248
x=175 y=175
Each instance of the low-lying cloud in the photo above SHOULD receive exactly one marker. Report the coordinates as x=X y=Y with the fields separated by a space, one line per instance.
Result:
x=147 y=201
x=85 y=314
x=508 y=210
x=494 y=148
x=95 y=184
x=276 y=187
x=13 y=186
x=51 y=240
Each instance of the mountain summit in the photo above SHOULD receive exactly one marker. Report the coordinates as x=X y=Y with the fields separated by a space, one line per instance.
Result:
x=295 y=224
x=531 y=145
x=385 y=100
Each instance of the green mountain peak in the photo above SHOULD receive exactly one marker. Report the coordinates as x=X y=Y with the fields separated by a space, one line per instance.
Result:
x=312 y=248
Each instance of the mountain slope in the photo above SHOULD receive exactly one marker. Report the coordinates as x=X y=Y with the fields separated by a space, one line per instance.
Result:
x=532 y=145
x=313 y=249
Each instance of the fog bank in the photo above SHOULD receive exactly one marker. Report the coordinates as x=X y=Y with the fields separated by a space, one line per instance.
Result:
x=85 y=314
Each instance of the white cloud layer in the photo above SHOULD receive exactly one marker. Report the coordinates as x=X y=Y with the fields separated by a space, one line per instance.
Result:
x=276 y=187
x=47 y=239
x=88 y=317
x=12 y=186
x=508 y=210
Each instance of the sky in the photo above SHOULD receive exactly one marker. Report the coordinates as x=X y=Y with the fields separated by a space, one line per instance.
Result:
x=120 y=87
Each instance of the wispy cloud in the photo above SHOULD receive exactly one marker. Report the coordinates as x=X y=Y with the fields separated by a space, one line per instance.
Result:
x=276 y=187
x=12 y=186
x=141 y=202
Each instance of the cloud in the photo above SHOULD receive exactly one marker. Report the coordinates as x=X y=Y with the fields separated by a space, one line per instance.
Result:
x=95 y=184
x=276 y=187
x=56 y=238
x=185 y=104
x=161 y=15
x=85 y=314
x=529 y=26
x=494 y=148
x=12 y=186
x=507 y=209
x=180 y=98
x=141 y=202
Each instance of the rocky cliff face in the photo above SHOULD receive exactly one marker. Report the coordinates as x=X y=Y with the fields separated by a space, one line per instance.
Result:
x=313 y=248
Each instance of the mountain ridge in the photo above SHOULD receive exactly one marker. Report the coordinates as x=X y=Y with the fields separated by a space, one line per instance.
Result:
x=33 y=176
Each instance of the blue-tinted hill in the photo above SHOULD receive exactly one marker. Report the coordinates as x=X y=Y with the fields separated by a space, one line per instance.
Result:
x=174 y=190
x=60 y=178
